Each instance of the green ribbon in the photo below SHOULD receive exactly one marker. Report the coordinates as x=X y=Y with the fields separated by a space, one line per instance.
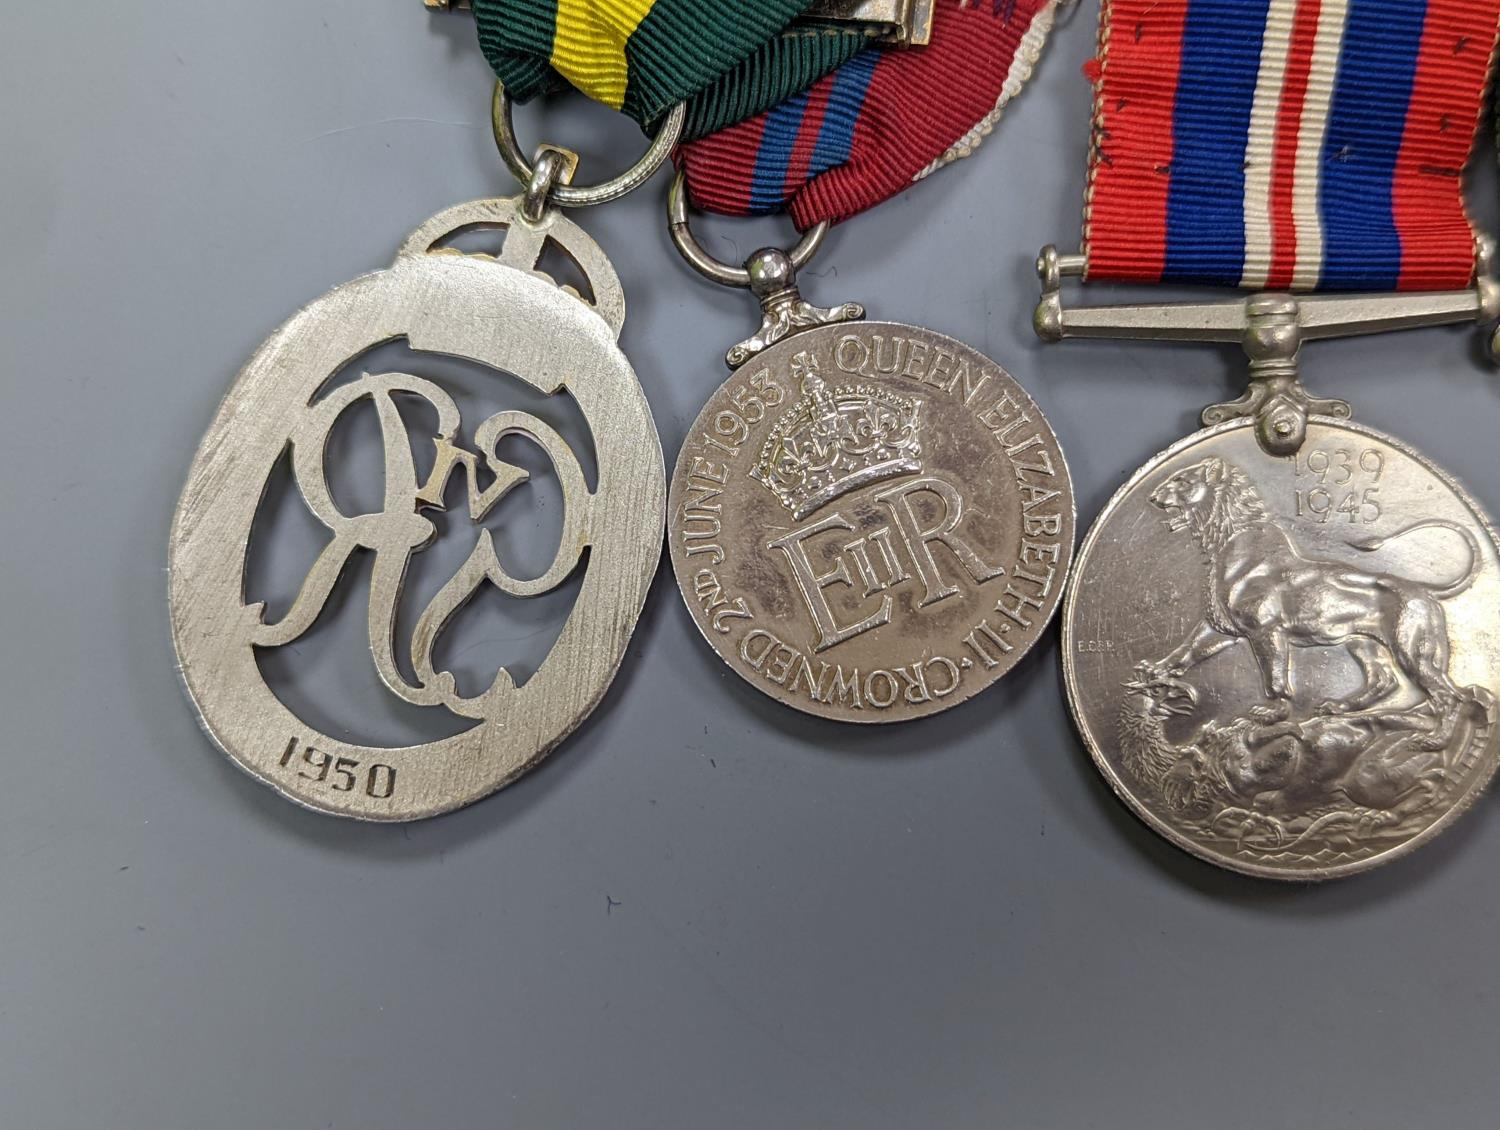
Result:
x=780 y=68
x=728 y=59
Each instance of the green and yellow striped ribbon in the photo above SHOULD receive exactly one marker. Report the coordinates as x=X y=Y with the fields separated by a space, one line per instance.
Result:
x=728 y=58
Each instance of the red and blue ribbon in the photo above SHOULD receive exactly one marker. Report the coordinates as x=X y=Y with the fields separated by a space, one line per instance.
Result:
x=882 y=121
x=1287 y=144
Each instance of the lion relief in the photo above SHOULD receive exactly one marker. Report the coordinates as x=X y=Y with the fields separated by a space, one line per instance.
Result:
x=1265 y=593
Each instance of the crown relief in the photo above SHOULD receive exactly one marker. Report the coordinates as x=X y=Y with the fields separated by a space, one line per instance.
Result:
x=837 y=439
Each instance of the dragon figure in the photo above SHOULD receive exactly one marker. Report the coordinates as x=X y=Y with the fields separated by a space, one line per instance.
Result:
x=1324 y=781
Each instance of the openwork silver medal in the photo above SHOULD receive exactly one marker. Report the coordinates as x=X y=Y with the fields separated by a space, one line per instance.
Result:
x=499 y=312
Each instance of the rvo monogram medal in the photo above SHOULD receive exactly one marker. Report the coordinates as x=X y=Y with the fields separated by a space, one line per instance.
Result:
x=1282 y=643
x=869 y=521
x=501 y=313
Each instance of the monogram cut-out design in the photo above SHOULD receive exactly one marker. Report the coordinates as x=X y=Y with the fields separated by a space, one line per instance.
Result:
x=398 y=531
x=500 y=312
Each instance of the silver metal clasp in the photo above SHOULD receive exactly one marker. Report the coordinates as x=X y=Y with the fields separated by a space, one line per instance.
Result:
x=1271 y=327
x=770 y=274
x=907 y=22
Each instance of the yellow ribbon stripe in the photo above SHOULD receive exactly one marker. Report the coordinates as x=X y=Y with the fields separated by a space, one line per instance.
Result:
x=588 y=47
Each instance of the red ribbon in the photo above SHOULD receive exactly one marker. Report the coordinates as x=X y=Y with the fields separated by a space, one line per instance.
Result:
x=878 y=124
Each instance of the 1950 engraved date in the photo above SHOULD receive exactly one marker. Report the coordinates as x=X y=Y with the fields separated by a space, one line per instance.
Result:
x=339 y=774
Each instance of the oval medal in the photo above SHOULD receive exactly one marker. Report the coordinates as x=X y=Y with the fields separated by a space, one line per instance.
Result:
x=497 y=312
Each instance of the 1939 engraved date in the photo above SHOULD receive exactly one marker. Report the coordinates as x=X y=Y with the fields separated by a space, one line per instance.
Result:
x=1345 y=484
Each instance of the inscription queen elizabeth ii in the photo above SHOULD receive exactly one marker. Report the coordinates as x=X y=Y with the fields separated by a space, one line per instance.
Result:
x=871 y=522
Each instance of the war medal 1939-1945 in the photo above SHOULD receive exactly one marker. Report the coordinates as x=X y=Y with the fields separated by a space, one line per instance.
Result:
x=1282 y=640
x=502 y=313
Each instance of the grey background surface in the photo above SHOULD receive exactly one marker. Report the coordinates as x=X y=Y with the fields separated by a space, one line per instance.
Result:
x=703 y=911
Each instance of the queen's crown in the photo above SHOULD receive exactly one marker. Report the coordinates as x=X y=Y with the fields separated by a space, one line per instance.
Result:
x=835 y=440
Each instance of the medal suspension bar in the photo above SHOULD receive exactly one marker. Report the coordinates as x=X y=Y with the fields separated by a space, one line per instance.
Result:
x=1271 y=327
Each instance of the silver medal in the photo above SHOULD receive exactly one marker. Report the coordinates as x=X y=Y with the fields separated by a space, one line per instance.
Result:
x=1282 y=640
x=869 y=521
x=1289 y=665
x=499 y=312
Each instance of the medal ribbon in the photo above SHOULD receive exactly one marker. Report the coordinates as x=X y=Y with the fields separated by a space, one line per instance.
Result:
x=1287 y=144
x=881 y=122
x=785 y=65
x=724 y=57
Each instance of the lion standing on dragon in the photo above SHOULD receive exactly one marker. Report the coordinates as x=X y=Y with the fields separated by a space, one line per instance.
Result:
x=1360 y=761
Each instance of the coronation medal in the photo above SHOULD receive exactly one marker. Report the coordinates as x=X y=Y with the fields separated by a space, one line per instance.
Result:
x=499 y=312
x=869 y=521
x=1282 y=640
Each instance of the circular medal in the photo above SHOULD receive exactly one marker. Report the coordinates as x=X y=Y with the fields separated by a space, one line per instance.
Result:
x=1289 y=666
x=500 y=313
x=871 y=522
